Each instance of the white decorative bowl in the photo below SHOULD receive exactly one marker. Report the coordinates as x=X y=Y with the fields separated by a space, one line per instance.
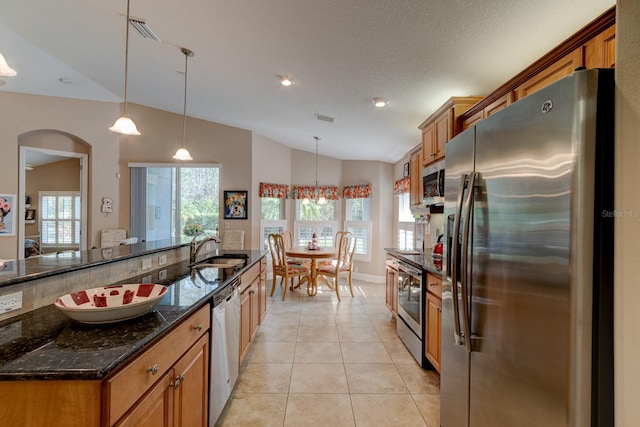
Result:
x=111 y=303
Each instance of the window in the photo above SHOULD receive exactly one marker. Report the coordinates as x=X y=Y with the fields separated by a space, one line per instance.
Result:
x=358 y=222
x=406 y=224
x=272 y=221
x=312 y=217
x=178 y=201
x=60 y=218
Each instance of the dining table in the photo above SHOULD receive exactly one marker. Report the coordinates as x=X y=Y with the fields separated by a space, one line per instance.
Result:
x=314 y=255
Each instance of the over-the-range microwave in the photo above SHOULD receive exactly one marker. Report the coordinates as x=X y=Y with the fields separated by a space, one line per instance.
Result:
x=433 y=184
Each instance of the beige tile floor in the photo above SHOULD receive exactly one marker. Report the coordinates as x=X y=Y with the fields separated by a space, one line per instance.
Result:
x=319 y=362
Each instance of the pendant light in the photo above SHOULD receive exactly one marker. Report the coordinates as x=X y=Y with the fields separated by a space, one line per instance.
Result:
x=5 y=70
x=124 y=124
x=319 y=198
x=183 y=153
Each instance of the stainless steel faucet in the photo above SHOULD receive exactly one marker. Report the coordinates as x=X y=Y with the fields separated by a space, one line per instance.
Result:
x=196 y=246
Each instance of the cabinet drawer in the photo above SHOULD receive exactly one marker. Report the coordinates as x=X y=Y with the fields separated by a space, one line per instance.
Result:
x=249 y=276
x=125 y=387
x=434 y=285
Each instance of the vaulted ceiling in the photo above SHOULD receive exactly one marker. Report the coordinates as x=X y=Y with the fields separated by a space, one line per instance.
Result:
x=339 y=53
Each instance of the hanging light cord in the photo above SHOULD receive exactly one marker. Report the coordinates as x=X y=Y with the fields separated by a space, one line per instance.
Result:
x=317 y=187
x=126 y=60
x=187 y=53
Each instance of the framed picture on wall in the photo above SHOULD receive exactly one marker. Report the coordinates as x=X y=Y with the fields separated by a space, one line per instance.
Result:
x=7 y=214
x=235 y=204
x=29 y=214
x=406 y=170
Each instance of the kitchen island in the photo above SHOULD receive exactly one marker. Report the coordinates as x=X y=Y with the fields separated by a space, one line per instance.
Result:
x=56 y=370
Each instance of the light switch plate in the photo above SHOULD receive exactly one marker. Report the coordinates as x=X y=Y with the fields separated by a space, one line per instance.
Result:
x=162 y=260
x=146 y=264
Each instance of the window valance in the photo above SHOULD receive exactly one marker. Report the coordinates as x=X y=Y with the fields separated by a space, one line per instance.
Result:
x=278 y=191
x=362 y=191
x=401 y=186
x=330 y=192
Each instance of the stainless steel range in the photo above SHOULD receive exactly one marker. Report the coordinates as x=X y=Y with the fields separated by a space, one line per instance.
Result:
x=410 y=323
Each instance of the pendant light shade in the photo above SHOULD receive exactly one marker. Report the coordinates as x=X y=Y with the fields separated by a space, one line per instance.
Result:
x=5 y=70
x=183 y=153
x=124 y=125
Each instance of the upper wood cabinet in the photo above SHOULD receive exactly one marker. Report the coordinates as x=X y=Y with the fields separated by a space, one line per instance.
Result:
x=490 y=109
x=600 y=52
x=443 y=125
x=561 y=68
x=415 y=178
x=593 y=46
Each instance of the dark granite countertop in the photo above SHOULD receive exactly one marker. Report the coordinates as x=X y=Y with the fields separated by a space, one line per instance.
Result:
x=22 y=270
x=418 y=259
x=45 y=344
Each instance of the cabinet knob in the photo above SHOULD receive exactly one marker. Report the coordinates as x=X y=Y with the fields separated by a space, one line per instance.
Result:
x=198 y=327
x=153 y=369
x=176 y=383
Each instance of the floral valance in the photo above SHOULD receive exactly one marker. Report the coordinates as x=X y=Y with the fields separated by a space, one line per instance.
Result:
x=278 y=191
x=401 y=186
x=329 y=192
x=362 y=191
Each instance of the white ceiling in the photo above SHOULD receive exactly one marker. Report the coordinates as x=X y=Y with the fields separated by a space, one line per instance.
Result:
x=339 y=53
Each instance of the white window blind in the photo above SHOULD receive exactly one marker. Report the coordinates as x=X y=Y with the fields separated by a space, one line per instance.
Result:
x=60 y=218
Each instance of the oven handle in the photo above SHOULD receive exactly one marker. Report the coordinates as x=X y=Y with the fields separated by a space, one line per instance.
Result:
x=408 y=268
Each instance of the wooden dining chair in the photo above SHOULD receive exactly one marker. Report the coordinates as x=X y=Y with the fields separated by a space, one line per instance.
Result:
x=342 y=265
x=284 y=269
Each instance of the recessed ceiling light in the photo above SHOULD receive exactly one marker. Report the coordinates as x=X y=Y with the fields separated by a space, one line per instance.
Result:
x=285 y=81
x=380 y=102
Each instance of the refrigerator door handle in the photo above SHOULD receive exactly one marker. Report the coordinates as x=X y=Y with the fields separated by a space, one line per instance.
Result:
x=464 y=273
x=459 y=337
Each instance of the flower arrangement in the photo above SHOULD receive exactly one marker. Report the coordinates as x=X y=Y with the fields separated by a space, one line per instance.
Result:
x=192 y=229
x=5 y=208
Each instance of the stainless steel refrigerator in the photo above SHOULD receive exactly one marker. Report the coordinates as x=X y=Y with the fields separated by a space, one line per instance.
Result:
x=527 y=303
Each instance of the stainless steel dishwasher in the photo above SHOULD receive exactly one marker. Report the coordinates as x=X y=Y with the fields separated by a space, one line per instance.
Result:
x=225 y=348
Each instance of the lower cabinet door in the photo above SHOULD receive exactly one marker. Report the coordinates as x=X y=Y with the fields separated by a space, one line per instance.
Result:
x=155 y=409
x=245 y=323
x=191 y=376
x=433 y=328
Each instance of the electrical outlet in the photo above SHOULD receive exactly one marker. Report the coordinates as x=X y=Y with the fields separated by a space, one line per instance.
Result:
x=10 y=332
x=146 y=264
x=10 y=302
x=162 y=260
x=147 y=279
x=162 y=274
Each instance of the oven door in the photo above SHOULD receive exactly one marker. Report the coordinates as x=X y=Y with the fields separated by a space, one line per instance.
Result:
x=410 y=297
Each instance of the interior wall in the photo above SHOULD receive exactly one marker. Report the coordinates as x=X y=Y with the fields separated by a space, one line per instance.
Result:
x=207 y=142
x=627 y=234
x=271 y=164
x=87 y=120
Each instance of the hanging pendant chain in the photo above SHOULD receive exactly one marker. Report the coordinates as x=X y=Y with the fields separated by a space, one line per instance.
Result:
x=184 y=114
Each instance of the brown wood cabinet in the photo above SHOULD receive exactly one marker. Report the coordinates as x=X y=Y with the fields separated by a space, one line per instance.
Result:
x=600 y=52
x=561 y=68
x=443 y=125
x=593 y=46
x=433 y=318
x=179 y=398
x=250 y=284
x=415 y=178
x=262 y=290
x=391 y=285
x=134 y=394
